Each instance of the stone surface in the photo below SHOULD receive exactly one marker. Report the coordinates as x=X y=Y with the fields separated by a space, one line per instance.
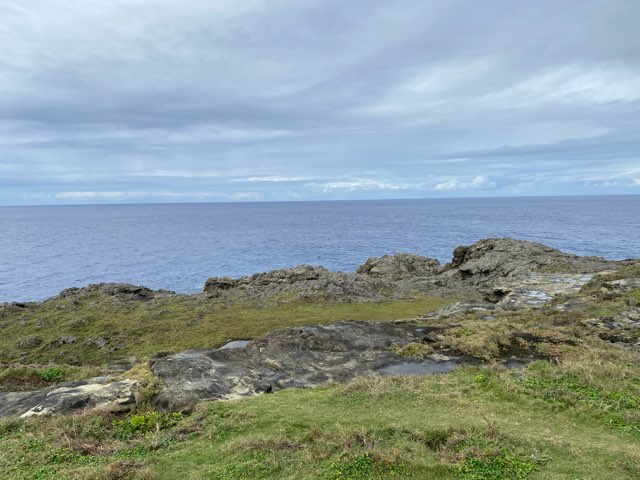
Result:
x=123 y=364
x=294 y=357
x=474 y=270
x=498 y=258
x=119 y=291
x=507 y=274
x=400 y=266
x=67 y=340
x=31 y=341
x=69 y=397
x=461 y=308
x=537 y=290
x=99 y=342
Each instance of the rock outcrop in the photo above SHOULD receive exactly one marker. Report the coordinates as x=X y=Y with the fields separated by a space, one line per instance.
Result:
x=401 y=266
x=69 y=397
x=507 y=274
x=391 y=275
x=473 y=271
x=120 y=291
x=498 y=258
x=294 y=357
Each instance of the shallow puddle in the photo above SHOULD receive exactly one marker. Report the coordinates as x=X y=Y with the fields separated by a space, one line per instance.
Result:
x=426 y=367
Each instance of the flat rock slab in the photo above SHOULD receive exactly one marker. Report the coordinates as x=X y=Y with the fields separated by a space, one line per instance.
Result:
x=294 y=357
x=69 y=397
x=537 y=290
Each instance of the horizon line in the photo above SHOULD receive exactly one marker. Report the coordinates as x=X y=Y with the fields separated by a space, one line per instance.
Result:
x=316 y=200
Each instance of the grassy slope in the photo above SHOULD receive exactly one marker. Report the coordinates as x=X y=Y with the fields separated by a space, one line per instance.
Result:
x=476 y=423
x=142 y=329
x=577 y=417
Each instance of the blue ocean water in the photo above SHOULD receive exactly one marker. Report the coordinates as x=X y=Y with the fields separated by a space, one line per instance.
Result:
x=178 y=246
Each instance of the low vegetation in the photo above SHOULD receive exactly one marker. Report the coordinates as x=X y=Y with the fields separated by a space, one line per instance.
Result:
x=97 y=329
x=572 y=412
x=549 y=421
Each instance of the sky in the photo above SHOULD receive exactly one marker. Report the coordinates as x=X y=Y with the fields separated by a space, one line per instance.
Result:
x=109 y=101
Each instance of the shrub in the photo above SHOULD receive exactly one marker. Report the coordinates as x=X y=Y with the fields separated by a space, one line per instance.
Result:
x=52 y=374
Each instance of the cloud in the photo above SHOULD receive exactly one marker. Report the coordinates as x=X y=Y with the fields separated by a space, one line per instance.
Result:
x=478 y=183
x=151 y=100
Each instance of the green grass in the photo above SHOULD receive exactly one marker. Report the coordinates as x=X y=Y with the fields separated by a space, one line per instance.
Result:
x=32 y=378
x=441 y=427
x=574 y=416
x=142 y=329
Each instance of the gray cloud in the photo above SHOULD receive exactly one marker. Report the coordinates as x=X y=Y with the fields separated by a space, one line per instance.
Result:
x=153 y=100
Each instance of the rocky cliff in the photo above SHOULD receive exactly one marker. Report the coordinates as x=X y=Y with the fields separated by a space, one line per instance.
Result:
x=473 y=270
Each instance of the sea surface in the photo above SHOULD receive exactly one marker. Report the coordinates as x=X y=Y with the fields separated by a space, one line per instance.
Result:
x=46 y=249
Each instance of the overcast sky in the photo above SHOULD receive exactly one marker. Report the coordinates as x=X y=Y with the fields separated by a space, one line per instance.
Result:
x=105 y=101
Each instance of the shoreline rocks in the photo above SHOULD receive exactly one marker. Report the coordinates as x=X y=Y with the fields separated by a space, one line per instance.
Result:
x=472 y=271
x=493 y=276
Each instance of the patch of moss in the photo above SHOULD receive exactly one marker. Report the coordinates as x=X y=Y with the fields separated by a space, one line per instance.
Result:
x=106 y=328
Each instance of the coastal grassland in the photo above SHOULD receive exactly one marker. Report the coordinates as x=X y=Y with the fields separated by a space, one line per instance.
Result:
x=572 y=413
x=96 y=329
x=574 y=418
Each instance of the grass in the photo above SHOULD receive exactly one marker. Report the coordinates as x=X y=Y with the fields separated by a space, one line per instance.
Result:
x=34 y=377
x=141 y=329
x=475 y=423
x=572 y=414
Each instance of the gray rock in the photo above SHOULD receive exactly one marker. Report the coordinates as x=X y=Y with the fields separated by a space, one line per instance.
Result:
x=120 y=291
x=475 y=270
x=67 y=340
x=31 y=341
x=69 y=397
x=461 y=308
x=400 y=267
x=99 y=342
x=294 y=357
x=378 y=278
x=494 y=259
x=123 y=364
x=305 y=281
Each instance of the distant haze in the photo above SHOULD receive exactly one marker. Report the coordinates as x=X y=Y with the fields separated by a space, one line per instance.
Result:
x=109 y=101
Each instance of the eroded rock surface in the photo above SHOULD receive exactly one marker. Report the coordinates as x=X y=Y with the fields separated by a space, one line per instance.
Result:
x=119 y=291
x=294 y=357
x=378 y=278
x=495 y=259
x=69 y=397
x=473 y=271
x=494 y=275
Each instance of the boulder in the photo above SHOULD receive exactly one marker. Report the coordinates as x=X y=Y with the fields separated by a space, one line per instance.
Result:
x=69 y=397
x=401 y=266
x=492 y=259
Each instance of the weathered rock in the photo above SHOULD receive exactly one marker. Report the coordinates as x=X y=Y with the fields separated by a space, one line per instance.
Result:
x=67 y=340
x=609 y=289
x=476 y=269
x=494 y=259
x=294 y=357
x=378 y=278
x=400 y=267
x=31 y=341
x=120 y=291
x=99 y=342
x=69 y=397
x=461 y=308
x=536 y=290
x=305 y=281
x=123 y=364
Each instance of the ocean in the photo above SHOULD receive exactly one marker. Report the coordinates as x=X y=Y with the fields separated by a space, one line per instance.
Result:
x=46 y=249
